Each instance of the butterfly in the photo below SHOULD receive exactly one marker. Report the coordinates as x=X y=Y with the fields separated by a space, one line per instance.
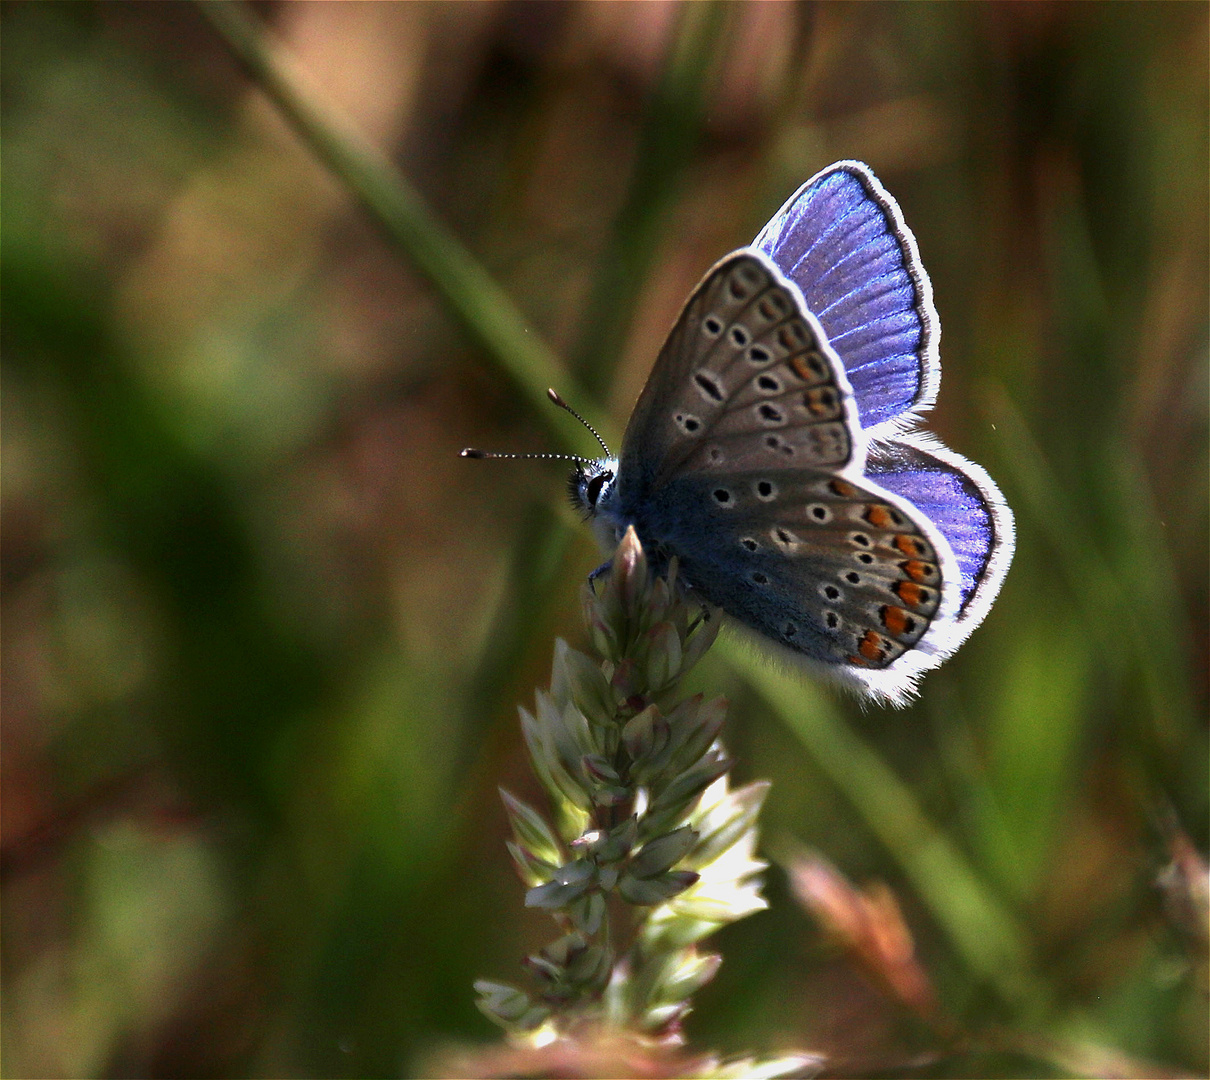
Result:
x=775 y=450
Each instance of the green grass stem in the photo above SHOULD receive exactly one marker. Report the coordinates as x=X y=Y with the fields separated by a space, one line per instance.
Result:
x=480 y=306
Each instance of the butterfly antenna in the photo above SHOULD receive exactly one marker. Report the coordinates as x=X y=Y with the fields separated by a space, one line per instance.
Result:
x=480 y=455
x=563 y=405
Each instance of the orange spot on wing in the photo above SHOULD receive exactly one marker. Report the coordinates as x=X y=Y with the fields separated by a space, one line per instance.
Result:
x=917 y=570
x=879 y=517
x=897 y=621
x=871 y=646
x=808 y=366
x=910 y=545
x=793 y=337
x=911 y=593
x=843 y=488
x=821 y=401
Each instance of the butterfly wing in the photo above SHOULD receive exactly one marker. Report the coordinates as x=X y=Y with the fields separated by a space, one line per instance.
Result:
x=841 y=574
x=965 y=505
x=842 y=240
x=746 y=378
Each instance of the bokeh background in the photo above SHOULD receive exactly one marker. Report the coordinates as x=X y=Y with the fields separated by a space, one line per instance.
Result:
x=265 y=633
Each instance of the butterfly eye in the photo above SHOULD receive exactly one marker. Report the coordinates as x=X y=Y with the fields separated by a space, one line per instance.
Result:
x=593 y=492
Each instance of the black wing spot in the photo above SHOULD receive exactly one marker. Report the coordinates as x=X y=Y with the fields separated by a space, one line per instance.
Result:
x=769 y=384
x=712 y=326
x=861 y=540
x=820 y=513
x=833 y=620
x=708 y=386
x=865 y=557
x=740 y=336
x=716 y=455
x=785 y=537
x=722 y=496
x=831 y=592
x=766 y=490
x=853 y=578
x=749 y=543
x=760 y=578
x=687 y=423
x=771 y=414
x=758 y=354
x=790 y=629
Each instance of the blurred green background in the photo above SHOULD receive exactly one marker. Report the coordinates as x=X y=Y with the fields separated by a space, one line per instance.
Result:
x=264 y=631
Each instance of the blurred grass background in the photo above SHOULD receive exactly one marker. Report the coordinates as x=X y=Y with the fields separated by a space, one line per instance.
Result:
x=264 y=632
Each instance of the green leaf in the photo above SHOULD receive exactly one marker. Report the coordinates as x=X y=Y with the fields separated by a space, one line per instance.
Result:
x=531 y=830
x=674 y=801
x=663 y=656
x=532 y=870
x=507 y=1006
x=663 y=853
x=725 y=823
x=617 y=843
x=549 y=769
x=690 y=971
x=640 y=737
x=588 y=912
x=570 y=882
x=582 y=682
x=706 y=728
x=647 y=892
x=702 y=637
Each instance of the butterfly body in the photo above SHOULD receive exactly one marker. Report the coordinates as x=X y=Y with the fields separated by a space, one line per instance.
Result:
x=772 y=451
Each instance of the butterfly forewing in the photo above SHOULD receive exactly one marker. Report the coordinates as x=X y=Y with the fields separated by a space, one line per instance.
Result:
x=744 y=380
x=842 y=240
x=741 y=438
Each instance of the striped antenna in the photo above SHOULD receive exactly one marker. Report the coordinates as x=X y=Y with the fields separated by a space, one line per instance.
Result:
x=480 y=455
x=563 y=405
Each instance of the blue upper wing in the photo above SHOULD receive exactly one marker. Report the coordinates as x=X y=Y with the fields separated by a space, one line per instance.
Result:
x=842 y=240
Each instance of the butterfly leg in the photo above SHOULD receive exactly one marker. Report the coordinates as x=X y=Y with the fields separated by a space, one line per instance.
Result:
x=600 y=571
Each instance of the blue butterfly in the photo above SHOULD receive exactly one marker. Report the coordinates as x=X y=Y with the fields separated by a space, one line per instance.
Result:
x=773 y=450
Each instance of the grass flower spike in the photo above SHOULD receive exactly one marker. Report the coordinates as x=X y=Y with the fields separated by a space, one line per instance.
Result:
x=649 y=851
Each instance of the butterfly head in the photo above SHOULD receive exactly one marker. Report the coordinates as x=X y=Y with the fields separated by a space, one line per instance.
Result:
x=591 y=485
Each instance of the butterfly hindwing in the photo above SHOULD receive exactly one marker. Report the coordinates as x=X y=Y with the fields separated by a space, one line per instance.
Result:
x=745 y=378
x=836 y=571
x=965 y=505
